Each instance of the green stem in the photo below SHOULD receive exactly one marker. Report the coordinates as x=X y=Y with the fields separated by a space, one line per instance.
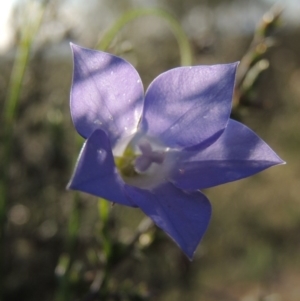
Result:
x=182 y=39
x=103 y=207
x=63 y=292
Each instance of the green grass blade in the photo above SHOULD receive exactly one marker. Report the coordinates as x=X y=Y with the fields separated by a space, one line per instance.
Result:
x=180 y=35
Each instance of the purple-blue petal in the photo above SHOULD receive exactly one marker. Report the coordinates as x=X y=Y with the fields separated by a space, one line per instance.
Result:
x=237 y=154
x=96 y=173
x=188 y=106
x=107 y=93
x=183 y=216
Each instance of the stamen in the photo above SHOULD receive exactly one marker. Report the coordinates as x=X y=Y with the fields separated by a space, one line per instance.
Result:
x=143 y=163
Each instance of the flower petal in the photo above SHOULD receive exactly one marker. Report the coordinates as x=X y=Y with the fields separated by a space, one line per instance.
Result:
x=96 y=173
x=187 y=106
x=237 y=154
x=183 y=216
x=107 y=93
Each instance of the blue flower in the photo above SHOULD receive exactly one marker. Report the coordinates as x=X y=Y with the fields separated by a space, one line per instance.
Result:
x=156 y=150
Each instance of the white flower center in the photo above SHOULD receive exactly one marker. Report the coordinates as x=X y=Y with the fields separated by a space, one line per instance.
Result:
x=144 y=163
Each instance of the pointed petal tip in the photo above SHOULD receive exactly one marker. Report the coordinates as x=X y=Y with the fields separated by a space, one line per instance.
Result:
x=190 y=256
x=75 y=47
x=234 y=65
x=189 y=252
x=72 y=45
x=281 y=162
x=278 y=160
x=69 y=186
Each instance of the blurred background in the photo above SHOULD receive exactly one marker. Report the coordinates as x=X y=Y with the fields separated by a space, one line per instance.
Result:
x=251 y=251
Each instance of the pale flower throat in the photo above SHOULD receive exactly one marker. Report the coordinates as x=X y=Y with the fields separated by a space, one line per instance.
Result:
x=143 y=163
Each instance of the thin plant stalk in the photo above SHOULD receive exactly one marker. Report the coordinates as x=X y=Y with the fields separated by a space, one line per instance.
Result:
x=180 y=35
x=63 y=292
